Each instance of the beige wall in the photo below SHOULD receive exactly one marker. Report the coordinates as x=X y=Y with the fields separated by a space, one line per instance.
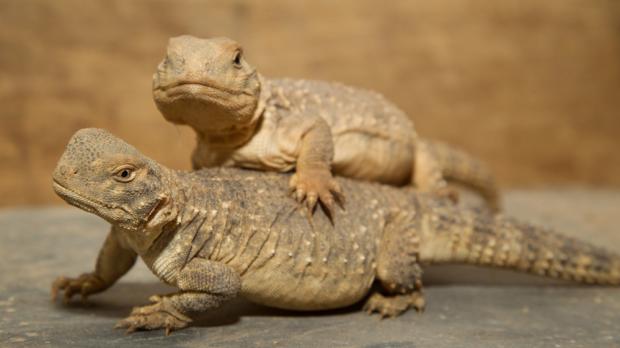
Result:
x=532 y=87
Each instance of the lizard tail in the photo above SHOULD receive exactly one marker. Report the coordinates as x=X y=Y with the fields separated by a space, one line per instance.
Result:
x=461 y=167
x=470 y=238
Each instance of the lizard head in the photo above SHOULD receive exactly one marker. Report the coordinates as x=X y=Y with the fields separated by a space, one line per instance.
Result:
x=102 y=174
x=207 y=84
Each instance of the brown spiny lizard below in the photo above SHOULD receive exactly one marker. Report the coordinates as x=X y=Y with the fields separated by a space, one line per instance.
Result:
x=223 y=232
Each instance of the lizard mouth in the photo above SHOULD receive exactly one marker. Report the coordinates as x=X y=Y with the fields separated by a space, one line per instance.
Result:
x=181 y=88
x=76 y=199
x=89 y=205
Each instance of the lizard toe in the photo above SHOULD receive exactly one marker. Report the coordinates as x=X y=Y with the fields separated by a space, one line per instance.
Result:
x=327 y=199
x=311 y=201
x=59 y=285
x=338 y=193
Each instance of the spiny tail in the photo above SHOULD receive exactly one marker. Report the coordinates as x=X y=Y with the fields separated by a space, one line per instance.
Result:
x=461 y=167
x=451 y=236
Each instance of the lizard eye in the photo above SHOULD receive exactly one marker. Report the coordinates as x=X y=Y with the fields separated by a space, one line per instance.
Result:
x=237 y=59
x=124 y=173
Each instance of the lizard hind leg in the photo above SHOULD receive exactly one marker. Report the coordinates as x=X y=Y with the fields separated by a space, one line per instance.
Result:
x=428 y=173
x=398 y=269
x=436 y=162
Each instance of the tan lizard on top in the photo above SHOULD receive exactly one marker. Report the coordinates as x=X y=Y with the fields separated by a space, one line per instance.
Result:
x=244 y=120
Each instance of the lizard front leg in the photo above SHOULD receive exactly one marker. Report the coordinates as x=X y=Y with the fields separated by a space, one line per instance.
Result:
x=113 y=262
x=204 y=285
x=313 y=180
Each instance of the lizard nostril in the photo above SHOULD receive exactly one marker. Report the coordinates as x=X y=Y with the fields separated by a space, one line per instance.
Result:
x=65 y=170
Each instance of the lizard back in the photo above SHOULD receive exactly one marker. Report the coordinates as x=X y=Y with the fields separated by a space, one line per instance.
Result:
x=285 y=258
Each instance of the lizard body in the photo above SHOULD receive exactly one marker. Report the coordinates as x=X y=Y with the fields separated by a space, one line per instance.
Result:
x=224 y=232
x=245 y=120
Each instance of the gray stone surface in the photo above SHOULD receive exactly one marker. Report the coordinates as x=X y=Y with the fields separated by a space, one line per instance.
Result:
x=468 y=307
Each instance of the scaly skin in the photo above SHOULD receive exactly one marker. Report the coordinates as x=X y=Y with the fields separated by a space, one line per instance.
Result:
x=245 y=120
x=220 y=233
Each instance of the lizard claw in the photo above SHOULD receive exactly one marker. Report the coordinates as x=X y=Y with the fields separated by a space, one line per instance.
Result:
x=312 y=186
x=328 y=203
x=311 y=200
x=58 y=284
x=338 y=193
x=300 y=194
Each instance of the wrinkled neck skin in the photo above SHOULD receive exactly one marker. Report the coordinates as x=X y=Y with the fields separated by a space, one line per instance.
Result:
x=205 y=221
x=237 y=135
x=188 y=207
x=176 y=204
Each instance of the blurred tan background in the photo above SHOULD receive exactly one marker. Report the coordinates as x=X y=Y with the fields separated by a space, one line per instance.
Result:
x=532 y=87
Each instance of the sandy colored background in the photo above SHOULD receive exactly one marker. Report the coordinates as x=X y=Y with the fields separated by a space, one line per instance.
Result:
x=532 y=87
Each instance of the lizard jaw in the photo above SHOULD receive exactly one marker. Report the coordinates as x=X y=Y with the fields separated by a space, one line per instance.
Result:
x=181 y=87
x=204 y=93
x=194 y=92
x=77 y=200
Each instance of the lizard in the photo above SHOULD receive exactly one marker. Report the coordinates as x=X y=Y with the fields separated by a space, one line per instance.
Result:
x=243 y=119
x=215 y=234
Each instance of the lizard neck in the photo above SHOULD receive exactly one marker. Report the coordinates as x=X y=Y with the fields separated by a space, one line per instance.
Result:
x=164 y=214
x=238 y=135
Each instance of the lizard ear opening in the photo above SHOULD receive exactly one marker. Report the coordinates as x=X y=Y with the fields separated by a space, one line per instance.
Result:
x=237 y=59
x=162 y=213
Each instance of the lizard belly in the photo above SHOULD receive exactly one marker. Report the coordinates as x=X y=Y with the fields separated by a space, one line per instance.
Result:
x=313 y=268
x=288 y=289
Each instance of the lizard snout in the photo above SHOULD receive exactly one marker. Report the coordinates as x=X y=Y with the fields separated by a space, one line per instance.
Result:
x=63 y=172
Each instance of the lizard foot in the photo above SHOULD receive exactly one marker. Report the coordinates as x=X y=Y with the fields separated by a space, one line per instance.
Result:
x=392 y=306
x=313 y=185
x=85 y=285
x=159 y=315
